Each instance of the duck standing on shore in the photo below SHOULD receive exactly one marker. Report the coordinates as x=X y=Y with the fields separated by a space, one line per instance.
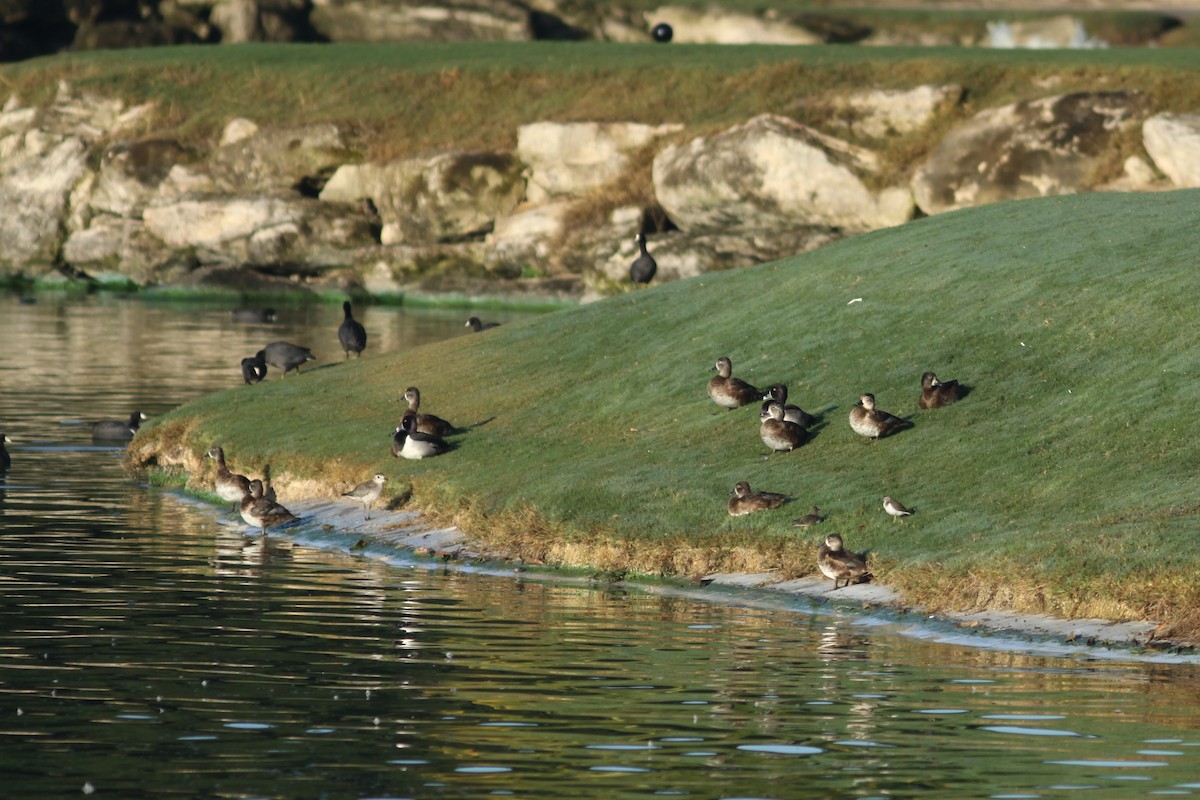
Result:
x=351 y=334
x=114 y=430
x=744 y=501
x=643 y=268
x=262 y=513
x=425 y=423
x=287 y=356
x=836 y=562
x=228 y=485
x=867 y=420
x=728 y=391
x=935 y=393
x=367 y=492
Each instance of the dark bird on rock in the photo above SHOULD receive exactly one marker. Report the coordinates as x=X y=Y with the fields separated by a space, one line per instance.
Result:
x=642 y=270
x=836 y=562
x=351 y=334
x=287 y=356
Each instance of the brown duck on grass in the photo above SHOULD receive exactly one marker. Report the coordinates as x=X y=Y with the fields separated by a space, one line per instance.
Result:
x=936 y=393
x=727 y=391
x=779 y=434
x=744 y=501
x=425 y=423
x=778 y=393
x=867 y=420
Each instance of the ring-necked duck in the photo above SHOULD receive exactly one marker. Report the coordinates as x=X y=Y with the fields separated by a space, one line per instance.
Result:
x=228 y=485
x=840 y=564
x=727 y=391
x=778 y=393
x=745 y=501
x=425 y=423
x=261 y=512
x=935 y=393
x=867 y=420
x=779 y=434
x=408 y=442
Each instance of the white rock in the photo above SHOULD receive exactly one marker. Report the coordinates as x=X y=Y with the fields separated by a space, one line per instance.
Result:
x=1173 y=141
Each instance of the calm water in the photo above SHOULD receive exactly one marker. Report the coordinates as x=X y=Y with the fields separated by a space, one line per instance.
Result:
x=148 y=647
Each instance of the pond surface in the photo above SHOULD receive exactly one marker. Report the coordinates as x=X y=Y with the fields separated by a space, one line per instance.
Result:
x=148 y=647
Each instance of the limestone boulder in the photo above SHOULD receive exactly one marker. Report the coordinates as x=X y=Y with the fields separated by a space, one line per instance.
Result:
x=286 y=232
x=407 y=21
x=131 y=174
x=720 y=26
x=38 y=173
x=574 y=158
x=278 y=159
x=774 y=171
x=113 y=248
x=1036 y=148
x=880 y=113
x=524 y=240
x=1173 y=142
x=238 y=21
x=447 y=198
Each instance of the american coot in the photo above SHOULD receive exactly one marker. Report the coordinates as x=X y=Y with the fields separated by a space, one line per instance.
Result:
x=263 y=513
x=867 y=420
x=730 y=392
x=778 y=393
x=425 y=423
x=351 y=333
x=642 y=270
x=840 y=564
x=779 y=434
x=745 y=501
x=113 y=430
x=5 y=458
x=408 y=442
x=252 y=315
x=368 y=492
x=896 y=508
x=254 y=368
x=478 y=325
x=228 y=485
x=935 y=393
x=287 y=356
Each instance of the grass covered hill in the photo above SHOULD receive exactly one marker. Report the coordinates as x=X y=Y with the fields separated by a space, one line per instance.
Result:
x=1064 y=483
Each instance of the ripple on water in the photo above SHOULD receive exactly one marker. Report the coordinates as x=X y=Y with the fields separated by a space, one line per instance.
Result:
x=781 y=749
x=1020 y=731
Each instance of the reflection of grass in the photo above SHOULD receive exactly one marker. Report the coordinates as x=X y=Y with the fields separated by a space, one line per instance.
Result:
x=1063 y=482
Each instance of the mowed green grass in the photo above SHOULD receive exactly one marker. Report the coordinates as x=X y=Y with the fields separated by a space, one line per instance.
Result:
x=1064 y=482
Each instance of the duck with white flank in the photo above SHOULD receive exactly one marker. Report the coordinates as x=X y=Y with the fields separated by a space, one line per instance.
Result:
x=262 y=513
x=228 y=485
x=408 y=442
x=836 y=562
x=425 y=423
x=867 y=420
x=728 y=391
x=779 y=434
x=778 y=393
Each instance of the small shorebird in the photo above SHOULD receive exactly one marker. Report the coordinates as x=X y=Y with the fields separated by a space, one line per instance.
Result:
x=351 y=334
x=778 y=393
x=808 y=520
x=729 y=392
x=745 y=501
x=228 y=485
x=114 y=430
x=368 y=492
x=867 y=420
x=896 y=508
x=261 y=513
x=408 y=442
x=642 y=270
x=425 y=423
x=840 y=564
x=935 y=393
x=779 y=434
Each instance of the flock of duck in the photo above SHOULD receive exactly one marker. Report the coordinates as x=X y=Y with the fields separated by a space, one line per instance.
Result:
x=784 y=427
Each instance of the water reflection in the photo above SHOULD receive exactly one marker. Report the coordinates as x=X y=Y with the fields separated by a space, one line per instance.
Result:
x=149 y=647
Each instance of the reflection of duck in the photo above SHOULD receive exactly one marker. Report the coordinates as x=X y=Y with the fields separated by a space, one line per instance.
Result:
x=287 y=356
x=263 y=513
x=778 y=393
x=425 y=423
x=477 y=325
x=351 y=334
x=727 y=391
x=935 y=393
x=254 y=368
x=5 y=458
x=642 y=270
x=113 y=430
x=867 y=420
x=228 y=485
x=896 y=508
x=367 y=492
x=840 y=564
x=408 y=442
x=745 y=501
x=811 y=518
x=779 y=434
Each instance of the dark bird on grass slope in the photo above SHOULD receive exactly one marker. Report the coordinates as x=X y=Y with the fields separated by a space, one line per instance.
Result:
x=840 y=564
x=896 y=508
x=425 y=423
x=935 y=393
x=778 y=393
x=867 y=420
x=745 y=501
x=808 y=520
x=228 y=485
x=367 y=493
x=254 y=368
x=408 y=442
x=262 y=513
x=287 y=356
x=478 y=326
x=727 y=391
x=779 y=434
x=351 y=334
x=114 y=430
x=642 y=270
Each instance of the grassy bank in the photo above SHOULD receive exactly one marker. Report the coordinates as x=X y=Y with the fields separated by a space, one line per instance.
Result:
x=1063 y=483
